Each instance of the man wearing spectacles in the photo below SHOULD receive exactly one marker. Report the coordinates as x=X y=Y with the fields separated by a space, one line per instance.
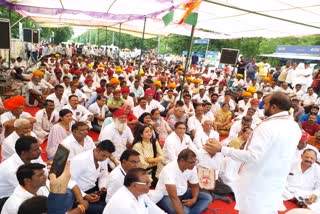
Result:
x=132 y=198
x=129 y=159
x=173 y=184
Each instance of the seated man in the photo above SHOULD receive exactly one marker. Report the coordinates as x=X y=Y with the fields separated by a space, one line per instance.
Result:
x=303 y=179
x=15 y=106
x=176 y=142
x=315 y=110
x=27 y=151
x=118 y=131
x=90 y=169
x=79 y=112
x=99 y=111
x=22 y=127
x=46 y=118
x=36 y=92
x=194 y=122
x=79 y=141
x=58 y=97
x=31 y=178
x=129 y=159
x=311 y=125
x=133 y=193
x=207 y=132
x=173 y=184
x=303 y=145
x=141 y=108
x=178 y=116
x=116 y=101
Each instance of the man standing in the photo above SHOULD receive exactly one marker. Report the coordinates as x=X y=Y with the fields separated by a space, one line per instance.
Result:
x=251 y=69
x=266 y=158
x=173 y=184
x=194 y=59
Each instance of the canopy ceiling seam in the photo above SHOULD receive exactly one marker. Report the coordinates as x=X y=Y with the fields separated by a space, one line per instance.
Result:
x=300 y=8
x=261 y=14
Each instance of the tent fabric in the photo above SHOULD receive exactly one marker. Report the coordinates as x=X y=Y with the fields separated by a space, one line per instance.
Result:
x=224 y=19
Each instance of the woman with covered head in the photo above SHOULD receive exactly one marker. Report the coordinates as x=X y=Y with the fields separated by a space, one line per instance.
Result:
x=223 y=119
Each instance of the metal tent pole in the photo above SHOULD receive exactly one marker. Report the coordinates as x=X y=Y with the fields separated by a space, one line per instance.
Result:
x=186 y=67
x=141 y=46
x=119 y=41
x=9 y=62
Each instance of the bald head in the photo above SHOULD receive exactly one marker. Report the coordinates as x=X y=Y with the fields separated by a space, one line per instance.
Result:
x=281 y=100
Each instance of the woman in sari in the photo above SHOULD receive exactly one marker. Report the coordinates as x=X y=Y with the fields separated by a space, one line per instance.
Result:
x=59 y=131
x=223 y=119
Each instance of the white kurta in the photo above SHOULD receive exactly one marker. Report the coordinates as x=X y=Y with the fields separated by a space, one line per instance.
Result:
x=8 y=177
x=114 y=181
x=17 y=198
x=201 y=138
x=266 y=159
x=58 y=104
x=120 y=141
x=75 y=147
x=96 y=110
x=174 y=145
x=84 y=172
x=302 y=184
x=9 y=143
x=132 y=205
x=44 y=124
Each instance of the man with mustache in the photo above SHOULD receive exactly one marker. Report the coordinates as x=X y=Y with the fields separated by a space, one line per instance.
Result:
x=303 y=145
x=302 y=181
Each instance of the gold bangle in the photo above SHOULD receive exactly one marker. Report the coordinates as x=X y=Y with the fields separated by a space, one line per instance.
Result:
x=82 y=209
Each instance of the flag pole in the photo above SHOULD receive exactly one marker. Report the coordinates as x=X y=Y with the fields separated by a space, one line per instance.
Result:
x=142 y=40
x=186 y=67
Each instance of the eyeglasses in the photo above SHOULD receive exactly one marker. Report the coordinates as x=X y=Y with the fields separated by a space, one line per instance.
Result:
x=143 y=183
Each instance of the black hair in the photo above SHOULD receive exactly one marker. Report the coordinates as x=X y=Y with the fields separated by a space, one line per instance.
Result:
x=133 y=176
x=178 y=124
x=154 y=110
x=27 y=171
x=64 y=112
x=106 y=145
x=76 y=125
x=71 y=96
x=180 y=103
x=34 y=205
x=23 y=144
x=46 y=102
x=185 y=154
x=142 y=116
x=58 y=87
x=281 y=100
x=127 y=154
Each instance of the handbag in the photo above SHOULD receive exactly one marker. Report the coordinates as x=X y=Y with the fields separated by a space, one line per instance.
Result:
x=207 y=178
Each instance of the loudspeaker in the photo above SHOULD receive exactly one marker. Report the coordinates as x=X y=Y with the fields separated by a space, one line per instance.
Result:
x=5 y=34
x=35 y=36
x=27 y=35
x=229 y=56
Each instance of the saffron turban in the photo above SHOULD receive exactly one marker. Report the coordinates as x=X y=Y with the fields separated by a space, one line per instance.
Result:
x=119 y=113
x=14 y=102
x=125 y=90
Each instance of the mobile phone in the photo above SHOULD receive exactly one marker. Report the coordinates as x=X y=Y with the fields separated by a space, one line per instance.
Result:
x=59 y=160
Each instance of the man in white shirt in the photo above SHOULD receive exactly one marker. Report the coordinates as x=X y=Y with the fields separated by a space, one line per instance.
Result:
x=206 y=133
x=79 y=112
x=132 y=197
x=15 y=106
x=118 y=132
x=194 y=122
x=90 y=169
x=176 y=142
x=152 y=103
x=99 y=110
x=136 y=89
x=173 y=184
x=303 y=180
x=125 y=95
x=78 y=141
x=31 y=178
x=58 y=98
x=266 y=158
x=201 y=97
x=27 y=151
x=129 y=159
x=308 y=99
x=22 y=127
x=141 y=108
x=46 y=118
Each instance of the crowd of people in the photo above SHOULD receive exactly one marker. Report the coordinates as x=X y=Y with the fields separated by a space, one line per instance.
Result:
x=166 y=144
